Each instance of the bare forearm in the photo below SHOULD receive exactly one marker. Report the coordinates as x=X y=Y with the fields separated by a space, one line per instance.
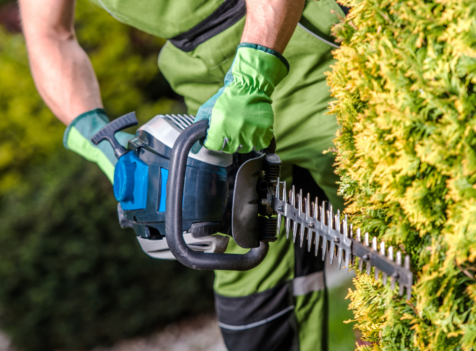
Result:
x=65 y=79
x=61 y=69
x=271 y=23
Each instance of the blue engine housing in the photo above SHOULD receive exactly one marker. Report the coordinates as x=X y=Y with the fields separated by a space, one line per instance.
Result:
x=141 y=176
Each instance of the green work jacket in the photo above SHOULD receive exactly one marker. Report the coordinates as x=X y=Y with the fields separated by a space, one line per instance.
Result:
x=163 y=18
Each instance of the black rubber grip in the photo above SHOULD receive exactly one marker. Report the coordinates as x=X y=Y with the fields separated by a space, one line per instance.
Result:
x=107 y=133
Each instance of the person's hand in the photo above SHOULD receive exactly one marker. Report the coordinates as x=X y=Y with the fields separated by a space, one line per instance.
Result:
x=77 y=138
x=240 y=116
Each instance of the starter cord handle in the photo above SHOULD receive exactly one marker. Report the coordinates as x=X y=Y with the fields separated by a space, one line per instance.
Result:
x=109 y=130
x=173 y=214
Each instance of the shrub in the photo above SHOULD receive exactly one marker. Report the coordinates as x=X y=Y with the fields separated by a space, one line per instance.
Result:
x=125 y=61
x=70 y=278
x=406 y=99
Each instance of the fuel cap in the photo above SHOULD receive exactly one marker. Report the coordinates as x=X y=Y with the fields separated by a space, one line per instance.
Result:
x=124 y=181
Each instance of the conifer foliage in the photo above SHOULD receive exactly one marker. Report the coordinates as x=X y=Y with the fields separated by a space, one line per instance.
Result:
x=404 y=81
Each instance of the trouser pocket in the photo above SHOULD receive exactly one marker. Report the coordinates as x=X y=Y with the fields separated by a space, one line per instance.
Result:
x=261 y=321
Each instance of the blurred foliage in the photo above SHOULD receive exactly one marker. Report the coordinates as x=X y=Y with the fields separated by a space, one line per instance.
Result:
x=125 y=61
x=405 y=81
x=341 y=336
x=70 y=278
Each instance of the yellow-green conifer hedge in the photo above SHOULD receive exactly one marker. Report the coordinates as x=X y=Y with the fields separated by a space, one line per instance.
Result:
x=406 y=99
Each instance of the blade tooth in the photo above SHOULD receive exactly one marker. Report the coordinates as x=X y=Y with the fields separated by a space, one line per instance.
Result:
x=316 y=209
x=407 y=266
x=332 y=251
x=349 y=254
x=339 y=257
x=324 y=247
x=382 y=252
x=390 y=257
x=348 y=259
x=277 y=188
x=374 y=247
x=300 y=203
x=338 y=222
x=310 y=233
x=293 y=196
x=323 y=214
x=339 y=230
x=348 y=251
x=284 y=192
x=345 y=233
x=399 y=262
x=302 y=228
x=359 y=239
x=344 y=226
x=314 y=212
x=390 y=253
x=316 y=248
x=366 y=243
x=288 y=227
x=331 y=215
x=295 y=225
x=308 y=204
x=329 y=222
x=309 y=240
x=279 y=223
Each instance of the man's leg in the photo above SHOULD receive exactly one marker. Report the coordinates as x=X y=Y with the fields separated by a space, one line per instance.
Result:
x=282 y=303
x=279 y=305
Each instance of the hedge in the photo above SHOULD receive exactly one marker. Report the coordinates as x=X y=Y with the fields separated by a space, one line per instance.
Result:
x=404 y=81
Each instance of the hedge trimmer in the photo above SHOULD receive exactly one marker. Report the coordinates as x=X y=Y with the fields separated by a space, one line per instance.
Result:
x=176 y=202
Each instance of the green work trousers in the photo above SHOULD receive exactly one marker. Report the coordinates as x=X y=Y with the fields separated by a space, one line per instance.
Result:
x=282 y=303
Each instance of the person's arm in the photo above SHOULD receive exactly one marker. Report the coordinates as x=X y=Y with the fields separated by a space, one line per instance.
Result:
x=66 y=80
x=271 y=23
x=61 y=69
x=240 y=116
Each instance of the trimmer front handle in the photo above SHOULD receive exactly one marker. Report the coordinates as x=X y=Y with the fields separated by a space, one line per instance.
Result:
x=173 y=217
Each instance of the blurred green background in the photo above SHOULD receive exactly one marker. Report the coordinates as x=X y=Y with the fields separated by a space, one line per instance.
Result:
x=70 y=278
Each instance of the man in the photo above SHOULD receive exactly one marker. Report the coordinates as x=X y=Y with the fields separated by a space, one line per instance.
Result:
x=227 y=59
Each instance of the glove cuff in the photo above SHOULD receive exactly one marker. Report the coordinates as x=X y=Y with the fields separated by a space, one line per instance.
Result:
x=77 y=138
x=88 y=124
x=258 y=68
x=267 y=51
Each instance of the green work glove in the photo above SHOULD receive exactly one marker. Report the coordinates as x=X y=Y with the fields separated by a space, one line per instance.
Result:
x=77 y=138
x=240 y=116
